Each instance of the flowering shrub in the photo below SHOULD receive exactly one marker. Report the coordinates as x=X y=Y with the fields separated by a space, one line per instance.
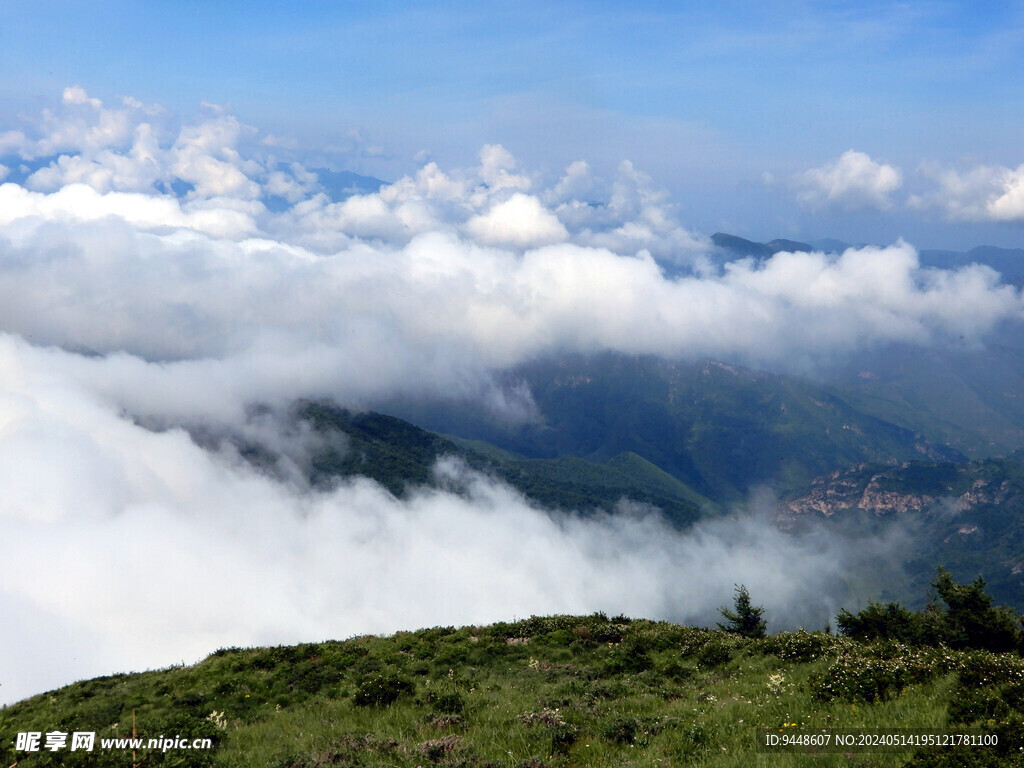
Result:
x=877 y=673
x=971 y=704
x=804 y=646
x=852 y=678
x=990 y=686
x=606 y=633
x=979 y=668
x=547 y=717
x=776 y=683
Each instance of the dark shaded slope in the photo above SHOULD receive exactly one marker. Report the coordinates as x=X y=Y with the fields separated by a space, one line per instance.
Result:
x=970 y=399
x=720 y=429
x=399 y=455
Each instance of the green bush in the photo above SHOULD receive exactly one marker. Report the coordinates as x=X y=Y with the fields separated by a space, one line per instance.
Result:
x=677 y=671
x=621 y=730
x=382 y=690
x=563 y=736
x=802 y=646
x=876 y=674
x=715 y=654
x=628 y=661
x=606 y=633
x=968 y=705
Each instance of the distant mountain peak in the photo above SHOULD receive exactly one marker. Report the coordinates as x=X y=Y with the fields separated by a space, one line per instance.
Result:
x=744 y=247
x=342 y=184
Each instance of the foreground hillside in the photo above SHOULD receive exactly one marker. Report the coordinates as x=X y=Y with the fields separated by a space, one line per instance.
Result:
x=558 y=691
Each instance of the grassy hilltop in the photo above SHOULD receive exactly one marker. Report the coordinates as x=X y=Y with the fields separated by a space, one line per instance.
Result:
x=554 y=691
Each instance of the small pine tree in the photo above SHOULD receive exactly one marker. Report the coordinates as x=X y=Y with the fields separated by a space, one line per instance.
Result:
x=745 y=620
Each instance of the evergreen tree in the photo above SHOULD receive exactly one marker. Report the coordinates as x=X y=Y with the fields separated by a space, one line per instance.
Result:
x=745 y=619
x=971 y=621
x=966 y=618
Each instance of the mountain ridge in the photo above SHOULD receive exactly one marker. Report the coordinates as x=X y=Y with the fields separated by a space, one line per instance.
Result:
x=719 y=428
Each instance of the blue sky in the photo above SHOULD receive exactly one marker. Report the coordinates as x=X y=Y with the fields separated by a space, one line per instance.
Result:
x=724 y=105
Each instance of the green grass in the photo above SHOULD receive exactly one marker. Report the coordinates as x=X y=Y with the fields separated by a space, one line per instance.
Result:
x=556 y=691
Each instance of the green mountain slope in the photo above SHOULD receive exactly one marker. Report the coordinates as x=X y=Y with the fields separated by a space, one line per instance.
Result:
x=720 y=429
x=400 y=456
x=970 y=399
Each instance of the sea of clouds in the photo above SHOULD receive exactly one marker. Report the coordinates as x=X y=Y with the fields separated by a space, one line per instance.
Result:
x=153 y=273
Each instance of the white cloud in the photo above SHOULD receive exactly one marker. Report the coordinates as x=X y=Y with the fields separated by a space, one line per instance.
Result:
x=75 y=94
x=852 y=182
x=496 y=169
x=983 y=193
x=520 y=221
x=138 y=170
x=207 y=157
x=13 y=142
x=636 y=218
x=132 y=149
x=576 y=184
x=293 y=187
x=270 y=320
x=81 y=203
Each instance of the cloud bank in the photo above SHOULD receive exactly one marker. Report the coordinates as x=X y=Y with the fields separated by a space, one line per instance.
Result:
x=132 y=548
x=149 y=274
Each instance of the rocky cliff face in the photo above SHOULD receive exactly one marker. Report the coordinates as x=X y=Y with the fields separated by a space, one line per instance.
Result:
x=883 y=491
x=983 y=491
x=856 y=489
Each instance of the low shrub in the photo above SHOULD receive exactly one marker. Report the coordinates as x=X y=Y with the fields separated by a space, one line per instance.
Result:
x=621 y=730
x=382 y=690
x=877 y=673
x=803 y=646
x=715 y=654
x=971 y=704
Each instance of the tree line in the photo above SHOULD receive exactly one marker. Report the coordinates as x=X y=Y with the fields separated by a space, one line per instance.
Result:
x=960 y=616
